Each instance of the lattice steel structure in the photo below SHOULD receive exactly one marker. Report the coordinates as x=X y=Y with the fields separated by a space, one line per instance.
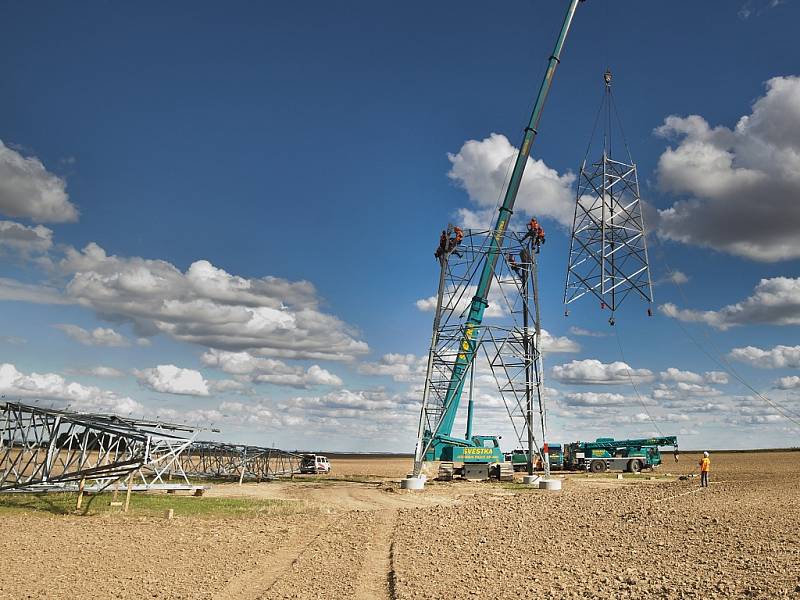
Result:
x=608 y=251
x=222 y=461
x=508 y=339
x=49 y=449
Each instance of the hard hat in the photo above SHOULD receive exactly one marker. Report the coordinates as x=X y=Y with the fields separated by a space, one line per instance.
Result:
x=705 y=453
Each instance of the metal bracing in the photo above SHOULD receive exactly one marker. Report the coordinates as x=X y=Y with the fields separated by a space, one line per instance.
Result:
x=221 y=461
x=46 y=448
x=508 y=336
x=608 y=251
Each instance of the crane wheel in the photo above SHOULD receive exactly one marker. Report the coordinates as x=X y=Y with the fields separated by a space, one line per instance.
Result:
x=597 y=466
x=634 y=466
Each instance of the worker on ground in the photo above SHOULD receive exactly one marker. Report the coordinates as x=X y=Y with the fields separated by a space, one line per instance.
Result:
x=705 y=467
x=442 y=249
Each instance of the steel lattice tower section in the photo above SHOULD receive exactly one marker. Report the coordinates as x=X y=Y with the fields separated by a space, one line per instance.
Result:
x=608 y=249
x=507 y=345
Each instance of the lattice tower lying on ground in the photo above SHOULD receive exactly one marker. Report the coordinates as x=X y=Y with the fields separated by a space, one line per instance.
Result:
x=49 y=449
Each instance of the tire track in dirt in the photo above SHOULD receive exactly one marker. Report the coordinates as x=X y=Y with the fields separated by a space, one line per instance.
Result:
x=252 y=584
x=375 y=581
x=350 y=557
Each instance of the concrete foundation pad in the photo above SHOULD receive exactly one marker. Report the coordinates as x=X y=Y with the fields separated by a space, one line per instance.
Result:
x=552 y=485
x=412 y=483
x=531 y=480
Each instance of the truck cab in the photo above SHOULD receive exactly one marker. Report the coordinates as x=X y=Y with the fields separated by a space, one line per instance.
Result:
x=315 y=464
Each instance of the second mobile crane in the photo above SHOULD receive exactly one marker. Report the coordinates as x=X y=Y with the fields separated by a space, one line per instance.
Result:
x=438 y=443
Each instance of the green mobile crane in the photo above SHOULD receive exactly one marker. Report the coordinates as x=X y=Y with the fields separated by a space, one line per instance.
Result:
x=608 y=454
x=439 y=443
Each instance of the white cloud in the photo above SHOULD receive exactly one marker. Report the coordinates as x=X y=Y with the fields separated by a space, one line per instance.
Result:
x=678 y=277
x=400 y=367
x=586 y=332
x=673 y=374
x=551 y=344
x=676 y=375
x=756 y=7
x=208 y=306
x=221 y=386
x=792 y=382
x=99 y=371
x=775 y=358
x=370 y=410
x=11 y=289
x=170 y=379
x=742 y=183
x=716 y=377
x=497 y=303
x=100 y=336
x=594 y=399
x=592 y=371
x=683 y=391
x=50 y=386
x=480 y=167
x=643 y=417
x=363 y=414
x=28 y=190
x=774 y=301
x=24 y=239
x=267 y=370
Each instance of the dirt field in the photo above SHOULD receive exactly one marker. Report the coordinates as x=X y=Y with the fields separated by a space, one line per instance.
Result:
x=364 y=538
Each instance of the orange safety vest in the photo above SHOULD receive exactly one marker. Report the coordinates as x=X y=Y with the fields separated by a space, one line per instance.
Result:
x=705 y=465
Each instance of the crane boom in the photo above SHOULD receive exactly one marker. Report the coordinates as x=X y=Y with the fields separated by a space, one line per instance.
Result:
x=479 y=303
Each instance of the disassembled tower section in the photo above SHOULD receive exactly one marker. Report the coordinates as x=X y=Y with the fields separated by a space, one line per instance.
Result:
x=46 y=449
x=608 y=250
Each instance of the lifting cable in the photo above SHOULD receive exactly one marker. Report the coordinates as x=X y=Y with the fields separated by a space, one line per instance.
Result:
x=633 y=383
x=719 y=360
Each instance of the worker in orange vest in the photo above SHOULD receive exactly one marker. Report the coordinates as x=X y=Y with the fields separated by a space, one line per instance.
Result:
x=705 y=467
x=453 y=242
x=536 y=233
x=442 y=249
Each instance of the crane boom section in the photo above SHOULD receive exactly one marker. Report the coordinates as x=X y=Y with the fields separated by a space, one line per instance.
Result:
x=468 y=347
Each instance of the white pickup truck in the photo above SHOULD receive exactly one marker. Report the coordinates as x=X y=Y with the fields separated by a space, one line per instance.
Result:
x=315 y=464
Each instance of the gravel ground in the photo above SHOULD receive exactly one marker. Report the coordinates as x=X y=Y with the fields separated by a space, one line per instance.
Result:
x=598 y=538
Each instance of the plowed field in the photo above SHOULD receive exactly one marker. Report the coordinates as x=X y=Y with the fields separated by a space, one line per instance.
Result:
x=356 y=535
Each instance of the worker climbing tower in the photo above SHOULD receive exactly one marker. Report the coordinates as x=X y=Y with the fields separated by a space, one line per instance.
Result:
x=608 y=250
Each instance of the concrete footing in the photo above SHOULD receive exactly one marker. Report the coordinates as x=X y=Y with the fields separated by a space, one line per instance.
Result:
x=413 y=483
x=531 y=480
x=550 y=484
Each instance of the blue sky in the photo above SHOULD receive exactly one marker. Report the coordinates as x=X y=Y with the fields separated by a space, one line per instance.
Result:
x=204 y=149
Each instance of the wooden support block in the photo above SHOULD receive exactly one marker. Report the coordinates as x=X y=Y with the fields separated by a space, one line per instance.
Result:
x=129 y=485
x=168 y=514
x=79 y=501
x=115 y=503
